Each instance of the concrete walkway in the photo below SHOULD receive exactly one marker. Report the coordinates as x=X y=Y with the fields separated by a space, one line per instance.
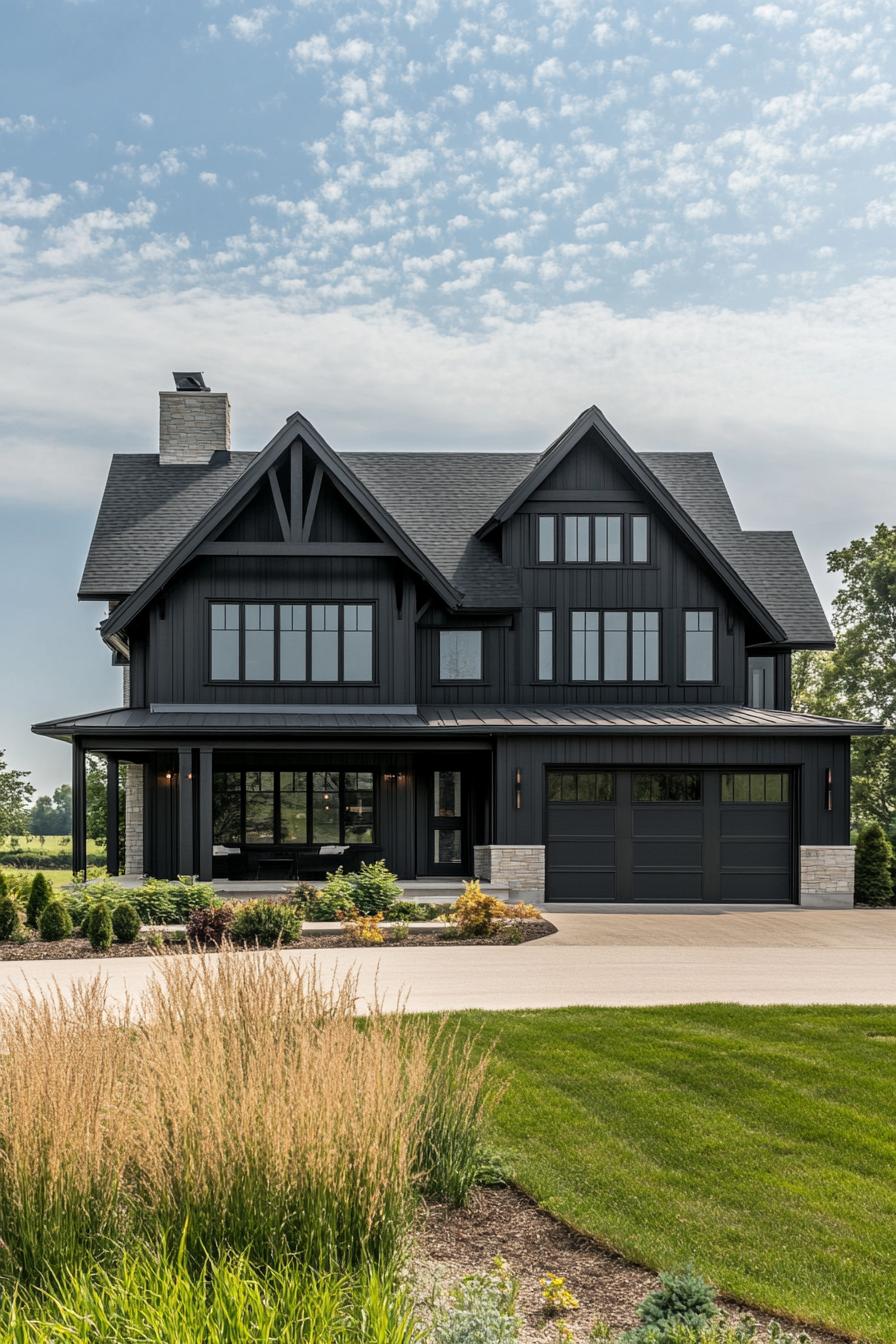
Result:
x=605 y=958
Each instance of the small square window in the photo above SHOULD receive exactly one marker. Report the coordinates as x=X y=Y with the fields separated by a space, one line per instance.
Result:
x=460 y=655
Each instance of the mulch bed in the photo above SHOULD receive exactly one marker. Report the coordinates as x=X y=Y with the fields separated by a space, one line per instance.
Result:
x=70 y=949
x=505 y=1222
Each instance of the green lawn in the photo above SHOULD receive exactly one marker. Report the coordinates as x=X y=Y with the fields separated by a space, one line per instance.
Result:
x=30 y=845
x=758 y=1143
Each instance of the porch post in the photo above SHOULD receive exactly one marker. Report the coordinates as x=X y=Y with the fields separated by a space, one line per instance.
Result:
x=205 y=814
x=112 y=821
x=79 y=809
x=185 y=862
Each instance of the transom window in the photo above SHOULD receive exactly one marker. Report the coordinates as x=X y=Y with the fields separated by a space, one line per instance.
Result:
x=460 y=655
x=754 y=787
x=699 y=645
x=293 y=807
x=291 y=641
x=581 y=786
x=666 y=786
x=614 y=645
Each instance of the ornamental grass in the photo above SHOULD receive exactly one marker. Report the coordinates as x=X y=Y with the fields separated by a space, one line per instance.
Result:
x=241 y=1107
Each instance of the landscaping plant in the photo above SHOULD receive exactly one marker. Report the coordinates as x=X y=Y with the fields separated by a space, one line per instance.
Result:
x=683 y=1300
x=363 y=929
x=55 y=922
x=98 y=926
x=477 y=914
x=210 y=924
x=556 y=1296
x=373 y=890
x=266 y=923
x=480 y=1309
x=125 y=922
x=41 y=892
x=874 y=867
x=10 y=917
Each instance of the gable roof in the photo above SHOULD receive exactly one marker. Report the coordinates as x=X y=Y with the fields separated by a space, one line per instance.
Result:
x=297 y=428
x=441 y=502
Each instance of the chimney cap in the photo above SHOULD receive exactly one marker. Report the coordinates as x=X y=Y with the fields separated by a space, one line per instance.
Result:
x=190 y=382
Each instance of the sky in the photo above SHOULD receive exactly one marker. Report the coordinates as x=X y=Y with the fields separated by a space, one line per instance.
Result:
x=441 y=224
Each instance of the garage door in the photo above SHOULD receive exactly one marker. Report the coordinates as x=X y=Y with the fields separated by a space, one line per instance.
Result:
x=672 y=835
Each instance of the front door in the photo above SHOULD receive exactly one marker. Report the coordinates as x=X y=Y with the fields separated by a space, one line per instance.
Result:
x=447 y=823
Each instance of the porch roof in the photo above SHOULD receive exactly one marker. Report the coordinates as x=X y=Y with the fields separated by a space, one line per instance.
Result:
x=438 y=720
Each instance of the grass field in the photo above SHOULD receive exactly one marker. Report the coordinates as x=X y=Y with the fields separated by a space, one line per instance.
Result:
x=757 y=1143
x=30 y=844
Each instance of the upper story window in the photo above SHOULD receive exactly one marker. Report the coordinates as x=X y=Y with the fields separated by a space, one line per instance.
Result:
x=544 y=670
x=761 y=683
x=614 y=645
x=607 y=539
x=584 y=645
x=460 y=655
x=547 y=538
x=645 y=646
x=699 y=645
x=640 y=539
x=577 y=538
x=291 y=641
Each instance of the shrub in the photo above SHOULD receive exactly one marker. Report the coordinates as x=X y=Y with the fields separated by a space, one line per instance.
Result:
x=98 y=927
x=327 y=905
x=162 y=902
x=874 y=857
x=210 y=924
x=556 y=1296
x=303 y=894
x=481 y=1309
x=477 y=914
x=375 y=889
x=125 y=922
x=3 y=885
x=55 y=922
x=10 y=918
x=416 y=911
x=363 y=929
x=41 y=892
x=266 y=923
x=683 y=1301
x=457 y=1097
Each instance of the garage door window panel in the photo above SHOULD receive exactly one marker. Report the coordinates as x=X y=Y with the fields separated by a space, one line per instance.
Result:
x=667 y=786
x=581 y=786
x=756 y=787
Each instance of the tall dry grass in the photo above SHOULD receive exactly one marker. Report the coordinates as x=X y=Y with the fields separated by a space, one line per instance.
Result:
x=240 y=1106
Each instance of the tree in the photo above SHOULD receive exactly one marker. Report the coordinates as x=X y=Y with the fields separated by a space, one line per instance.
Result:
x=874 y=857
x=52 y=816
x=96 y=797
x=858 y=679
x=15 y=795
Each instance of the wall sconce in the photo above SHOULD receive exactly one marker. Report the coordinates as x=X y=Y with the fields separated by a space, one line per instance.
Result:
x=189 y=774
x=167 y=776
x=829 y=790
x=517 y=789
x=393 y=777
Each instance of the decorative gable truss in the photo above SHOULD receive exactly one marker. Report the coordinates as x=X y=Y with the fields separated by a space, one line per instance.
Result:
x=274 y=509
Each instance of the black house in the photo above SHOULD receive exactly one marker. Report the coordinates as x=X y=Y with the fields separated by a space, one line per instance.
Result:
x=567 y=672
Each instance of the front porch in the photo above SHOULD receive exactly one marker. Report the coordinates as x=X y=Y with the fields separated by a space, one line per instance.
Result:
x=257 y=819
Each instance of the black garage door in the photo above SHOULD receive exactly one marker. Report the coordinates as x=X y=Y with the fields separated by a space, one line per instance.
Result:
x=669 y=835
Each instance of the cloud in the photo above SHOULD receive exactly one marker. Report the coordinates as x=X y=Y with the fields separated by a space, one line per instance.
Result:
x=403 y=169
x=96 y=232
x=18 y=202
x=775 y=15
x=250 y=27
x=23 y=124
x=144 y=119
x=208 y=179
x=710 y=23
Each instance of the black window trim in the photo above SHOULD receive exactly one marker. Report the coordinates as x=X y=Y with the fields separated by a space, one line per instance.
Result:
x=552 y=612
x=593 y=539
x=785 y=776
x=698 y=774
x=700 y=681
x=309 y=772
x=277 y=603
x=584 y=681
x=631 y=540
x=601 y=680
x=460 y=681
x=557 y=538
x=645 y=681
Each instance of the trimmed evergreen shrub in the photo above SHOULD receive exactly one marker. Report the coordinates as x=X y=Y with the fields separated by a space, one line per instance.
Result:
x=99 y=927
x=10 y=919
x=3 y=887
x=266 y=922
x=125 y=922
x=874 y=858
x=55 y=922
x=40 y=895
x=683 y=1301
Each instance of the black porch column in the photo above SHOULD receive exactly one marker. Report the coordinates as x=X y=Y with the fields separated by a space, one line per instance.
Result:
x=205 y=814
x=185 y=860
x=79 y=809
x=113 y=841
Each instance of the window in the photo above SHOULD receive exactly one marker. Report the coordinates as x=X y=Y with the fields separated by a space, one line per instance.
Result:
x=640 y=546
x=666 y=786
x=615 y=665
x=259 y=627
x=581 y=786
x=584 y=645
x=645 y=646
x=761 y=683
x=326 y=642
x=545 y=652
x=756 y=788
x=225 y=644
x=607 y=539
x=576 y=528
x=293 y=807
x=699 y=645
x=460 y=655
x=547 y=538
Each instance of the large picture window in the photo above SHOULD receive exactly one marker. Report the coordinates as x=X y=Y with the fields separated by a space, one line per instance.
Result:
x=460 y=655
x=297 y=807
x=291 y=642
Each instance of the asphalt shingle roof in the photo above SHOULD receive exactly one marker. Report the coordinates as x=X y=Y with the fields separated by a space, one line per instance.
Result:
x=440 y=500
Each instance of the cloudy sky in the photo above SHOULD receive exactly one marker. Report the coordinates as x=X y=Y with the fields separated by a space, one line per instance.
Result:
x=440 y=224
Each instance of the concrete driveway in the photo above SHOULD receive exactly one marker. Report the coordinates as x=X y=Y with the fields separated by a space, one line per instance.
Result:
x=604 y=958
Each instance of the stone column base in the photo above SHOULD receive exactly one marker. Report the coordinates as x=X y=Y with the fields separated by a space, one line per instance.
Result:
x=827 y=876
x=519 y=868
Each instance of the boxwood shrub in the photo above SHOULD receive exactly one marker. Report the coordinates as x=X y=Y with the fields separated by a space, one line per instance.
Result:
x=266 y=922
x=55 y=922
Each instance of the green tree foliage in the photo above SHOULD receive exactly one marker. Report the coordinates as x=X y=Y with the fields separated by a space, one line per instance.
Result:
x=40 y=895
x=52 y=816
x=55 y=922
x=99 y=927
x=858 y=680
x=10 y=919
x=874 y=867
x=683 y=1301
x=125 y=922
x=15 y=797
x=96 y=797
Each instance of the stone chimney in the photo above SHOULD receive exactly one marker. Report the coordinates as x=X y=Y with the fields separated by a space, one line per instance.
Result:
x=194 y=422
